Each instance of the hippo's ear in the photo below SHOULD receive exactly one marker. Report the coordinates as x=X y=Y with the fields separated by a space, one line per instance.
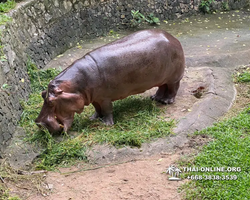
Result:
x=44 y=94
x=74 y=102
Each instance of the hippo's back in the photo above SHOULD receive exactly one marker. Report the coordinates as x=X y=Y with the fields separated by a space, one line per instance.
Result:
x=139 y=62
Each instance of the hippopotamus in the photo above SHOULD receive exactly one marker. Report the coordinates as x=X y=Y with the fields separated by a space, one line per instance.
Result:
x=127 y=66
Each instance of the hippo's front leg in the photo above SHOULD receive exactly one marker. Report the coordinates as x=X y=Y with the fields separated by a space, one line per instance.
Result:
x=98 y=111
x=103 y=110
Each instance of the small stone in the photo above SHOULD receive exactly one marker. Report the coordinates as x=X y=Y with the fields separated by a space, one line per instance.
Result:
x=49 y=186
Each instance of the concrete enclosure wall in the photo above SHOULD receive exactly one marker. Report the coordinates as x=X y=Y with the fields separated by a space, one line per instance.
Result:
x=43 y=29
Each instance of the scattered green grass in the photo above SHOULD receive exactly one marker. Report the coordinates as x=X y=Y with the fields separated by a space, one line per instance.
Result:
x=17 y=181
x=243 y=77
x=230 y=148
x=4 y=8
x=137 y=120
x=39 y=80
x=61 y=153
x=4 y=19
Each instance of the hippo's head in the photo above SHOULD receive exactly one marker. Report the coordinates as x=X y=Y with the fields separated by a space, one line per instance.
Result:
x=59 y=107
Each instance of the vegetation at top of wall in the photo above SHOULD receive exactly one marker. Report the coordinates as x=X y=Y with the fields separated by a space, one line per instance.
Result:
x=4 y=8
x=138 y=18
x=225 y=5
x=137 y=120
x=39 y=79
x=205 y=6
x=229 y=147
x=7 y=6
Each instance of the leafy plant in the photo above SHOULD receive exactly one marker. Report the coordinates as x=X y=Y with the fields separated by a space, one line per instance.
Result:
x=243 y=77
x=4 y=19
x=139 y=18
x=7 y=6
x=5 y=86
x=205 y=6
x=225 y=6
x=152 y=19
x=4 y=8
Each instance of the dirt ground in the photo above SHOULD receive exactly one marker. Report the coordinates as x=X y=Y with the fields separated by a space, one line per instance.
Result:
x=144 y=179
x=141 y=179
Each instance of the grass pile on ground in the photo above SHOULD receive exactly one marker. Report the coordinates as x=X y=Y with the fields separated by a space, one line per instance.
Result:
x=12 y=181
x=230 y=148
x=137 y=120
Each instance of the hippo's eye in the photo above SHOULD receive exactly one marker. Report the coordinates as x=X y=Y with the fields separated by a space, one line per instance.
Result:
x=49 y=102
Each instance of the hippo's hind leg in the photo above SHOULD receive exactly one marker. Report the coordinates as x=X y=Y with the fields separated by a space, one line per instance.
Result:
x=103 y=110
x=166 y=93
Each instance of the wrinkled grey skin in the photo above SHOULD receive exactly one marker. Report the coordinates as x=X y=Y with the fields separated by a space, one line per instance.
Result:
x=131 y=65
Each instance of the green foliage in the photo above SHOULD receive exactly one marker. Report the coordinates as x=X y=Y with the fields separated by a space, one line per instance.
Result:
x=152 y=19
x=136 y=121
x=225 y=6
x=243 y=77
x=4 y=19
x=60 y=153
x=7 y=6
x=39 y=79
x=5 y=86
x=205 y=6
x=4 y=194
x=2 y=57
x=139 y=18
x=4 y=8
x=230 y=148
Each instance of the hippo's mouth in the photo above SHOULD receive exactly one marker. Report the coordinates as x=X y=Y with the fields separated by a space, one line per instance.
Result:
x=59 y=122
x=53 y=126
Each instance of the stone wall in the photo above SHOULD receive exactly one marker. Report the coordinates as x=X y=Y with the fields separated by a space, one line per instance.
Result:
x=43 y=29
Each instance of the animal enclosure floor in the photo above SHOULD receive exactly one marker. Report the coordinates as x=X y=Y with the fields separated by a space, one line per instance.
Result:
x=214 y=45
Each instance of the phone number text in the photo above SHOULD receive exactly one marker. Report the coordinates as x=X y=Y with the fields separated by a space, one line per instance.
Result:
x=212 y=177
